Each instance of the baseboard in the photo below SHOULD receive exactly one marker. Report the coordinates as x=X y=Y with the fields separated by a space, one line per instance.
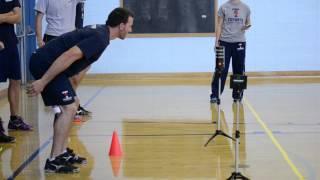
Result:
x=203 y=78
x=184 y=78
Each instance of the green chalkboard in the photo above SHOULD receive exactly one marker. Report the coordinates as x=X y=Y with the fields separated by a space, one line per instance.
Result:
x=172 y=17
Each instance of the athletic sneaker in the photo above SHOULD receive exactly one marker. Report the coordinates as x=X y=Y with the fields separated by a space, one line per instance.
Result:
x=213 y=100
x=83 y=112
x=19 y=124
x=6 y=139
x=72 y=158
x=1 y=126
x=59 y=165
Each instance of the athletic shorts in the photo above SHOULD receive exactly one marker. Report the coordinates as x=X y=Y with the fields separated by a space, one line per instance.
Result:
x=59 y=90
x=10 y=64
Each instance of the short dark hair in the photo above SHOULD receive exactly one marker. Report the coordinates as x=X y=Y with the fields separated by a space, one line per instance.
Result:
x=117 y=16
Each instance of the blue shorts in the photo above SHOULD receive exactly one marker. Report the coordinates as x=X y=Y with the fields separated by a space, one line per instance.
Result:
x=59 y=90
x=10 y=64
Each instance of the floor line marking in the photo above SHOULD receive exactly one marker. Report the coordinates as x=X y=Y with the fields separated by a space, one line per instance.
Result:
x=274 y=140
x=43 y=146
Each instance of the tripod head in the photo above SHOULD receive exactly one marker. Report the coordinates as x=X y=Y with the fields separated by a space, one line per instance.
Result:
x=238 y=82
x=220 y=51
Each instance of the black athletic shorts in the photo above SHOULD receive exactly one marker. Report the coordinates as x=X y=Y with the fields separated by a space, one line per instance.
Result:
x=10 y=64
x=59 y=90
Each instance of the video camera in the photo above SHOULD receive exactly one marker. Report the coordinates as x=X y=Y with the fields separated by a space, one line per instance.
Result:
x=238 y=82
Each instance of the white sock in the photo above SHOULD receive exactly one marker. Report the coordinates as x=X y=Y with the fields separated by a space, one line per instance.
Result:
x=56 y=109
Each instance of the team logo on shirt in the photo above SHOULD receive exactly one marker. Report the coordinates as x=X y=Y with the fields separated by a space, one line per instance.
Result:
x=236 y=19
x=66 y=96
x=236 y=12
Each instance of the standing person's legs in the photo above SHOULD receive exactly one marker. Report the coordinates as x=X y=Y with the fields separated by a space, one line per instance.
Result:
x=224 y=74
x=13 y=72
x=75 y=81
x=62 y=126
x=14 y=96
x=238 y=64
x=3 y=137
x=59 y=92
x=3 y=78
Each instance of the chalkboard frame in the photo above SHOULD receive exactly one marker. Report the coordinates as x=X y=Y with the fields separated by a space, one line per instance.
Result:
x=145 y=35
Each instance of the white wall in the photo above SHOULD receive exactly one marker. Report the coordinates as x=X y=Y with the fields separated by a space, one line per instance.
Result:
x=284 y=37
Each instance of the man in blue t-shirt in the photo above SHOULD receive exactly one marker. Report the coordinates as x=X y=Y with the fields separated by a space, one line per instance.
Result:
x=61 y=58
x=10 y=14
x=61 y=16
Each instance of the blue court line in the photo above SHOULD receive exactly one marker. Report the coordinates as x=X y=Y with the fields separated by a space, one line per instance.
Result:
x=43 y=146
x=93 y=97
x=28 y=161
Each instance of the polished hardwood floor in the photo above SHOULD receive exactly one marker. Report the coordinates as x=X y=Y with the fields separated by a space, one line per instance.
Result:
x=163 y=128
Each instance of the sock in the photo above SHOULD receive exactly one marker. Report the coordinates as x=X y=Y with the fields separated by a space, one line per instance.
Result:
x=65 y=150
x=56 y=109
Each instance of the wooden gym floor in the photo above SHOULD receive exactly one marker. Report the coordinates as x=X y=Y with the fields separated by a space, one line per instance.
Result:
x=163 y=127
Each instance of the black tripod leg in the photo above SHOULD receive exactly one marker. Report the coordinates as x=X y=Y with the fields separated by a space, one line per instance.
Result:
x=237 y=175
x=219 y=132
x=226 y=135
x=213 y=136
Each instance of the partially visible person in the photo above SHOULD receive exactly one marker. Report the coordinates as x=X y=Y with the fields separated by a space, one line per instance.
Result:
x=1 y=46
x=10 y=14
x=3 y=137
x=61 y=18
x=233 y=21
x=57 y=61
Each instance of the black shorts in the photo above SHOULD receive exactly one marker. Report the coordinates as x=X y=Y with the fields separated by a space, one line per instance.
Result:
x=59 y=90
x=10 y=64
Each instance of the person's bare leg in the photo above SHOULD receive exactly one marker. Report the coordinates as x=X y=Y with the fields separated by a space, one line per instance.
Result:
x=76 y=79
x=14 y=96
x=66 y=140
x=62 y=127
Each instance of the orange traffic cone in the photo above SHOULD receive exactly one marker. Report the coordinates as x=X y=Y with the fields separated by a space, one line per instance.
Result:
x=115 y=164
x=115 y=148
x=77 y=119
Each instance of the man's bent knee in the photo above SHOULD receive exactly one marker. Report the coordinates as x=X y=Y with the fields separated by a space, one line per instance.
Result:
x=70 y=108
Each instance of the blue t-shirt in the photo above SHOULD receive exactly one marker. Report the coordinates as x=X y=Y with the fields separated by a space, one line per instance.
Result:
x=92 y=41
x=7 y=34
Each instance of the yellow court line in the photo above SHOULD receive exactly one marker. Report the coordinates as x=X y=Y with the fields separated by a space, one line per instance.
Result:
x=274 y=140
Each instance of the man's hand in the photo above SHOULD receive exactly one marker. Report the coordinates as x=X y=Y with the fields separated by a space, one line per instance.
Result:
x=35 y=88
x=217 y=43
x=40 y=43
x=1 y=45
x=245 y=27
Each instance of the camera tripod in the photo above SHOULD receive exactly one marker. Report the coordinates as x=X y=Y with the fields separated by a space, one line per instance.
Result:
x=220 y=54
x=237 y=174
x=218 y=130
x=238 y=83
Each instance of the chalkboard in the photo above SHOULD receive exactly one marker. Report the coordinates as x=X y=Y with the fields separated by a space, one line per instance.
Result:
x=172 y=17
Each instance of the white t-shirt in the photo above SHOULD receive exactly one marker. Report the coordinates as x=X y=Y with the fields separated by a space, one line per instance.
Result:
x=60 y=15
